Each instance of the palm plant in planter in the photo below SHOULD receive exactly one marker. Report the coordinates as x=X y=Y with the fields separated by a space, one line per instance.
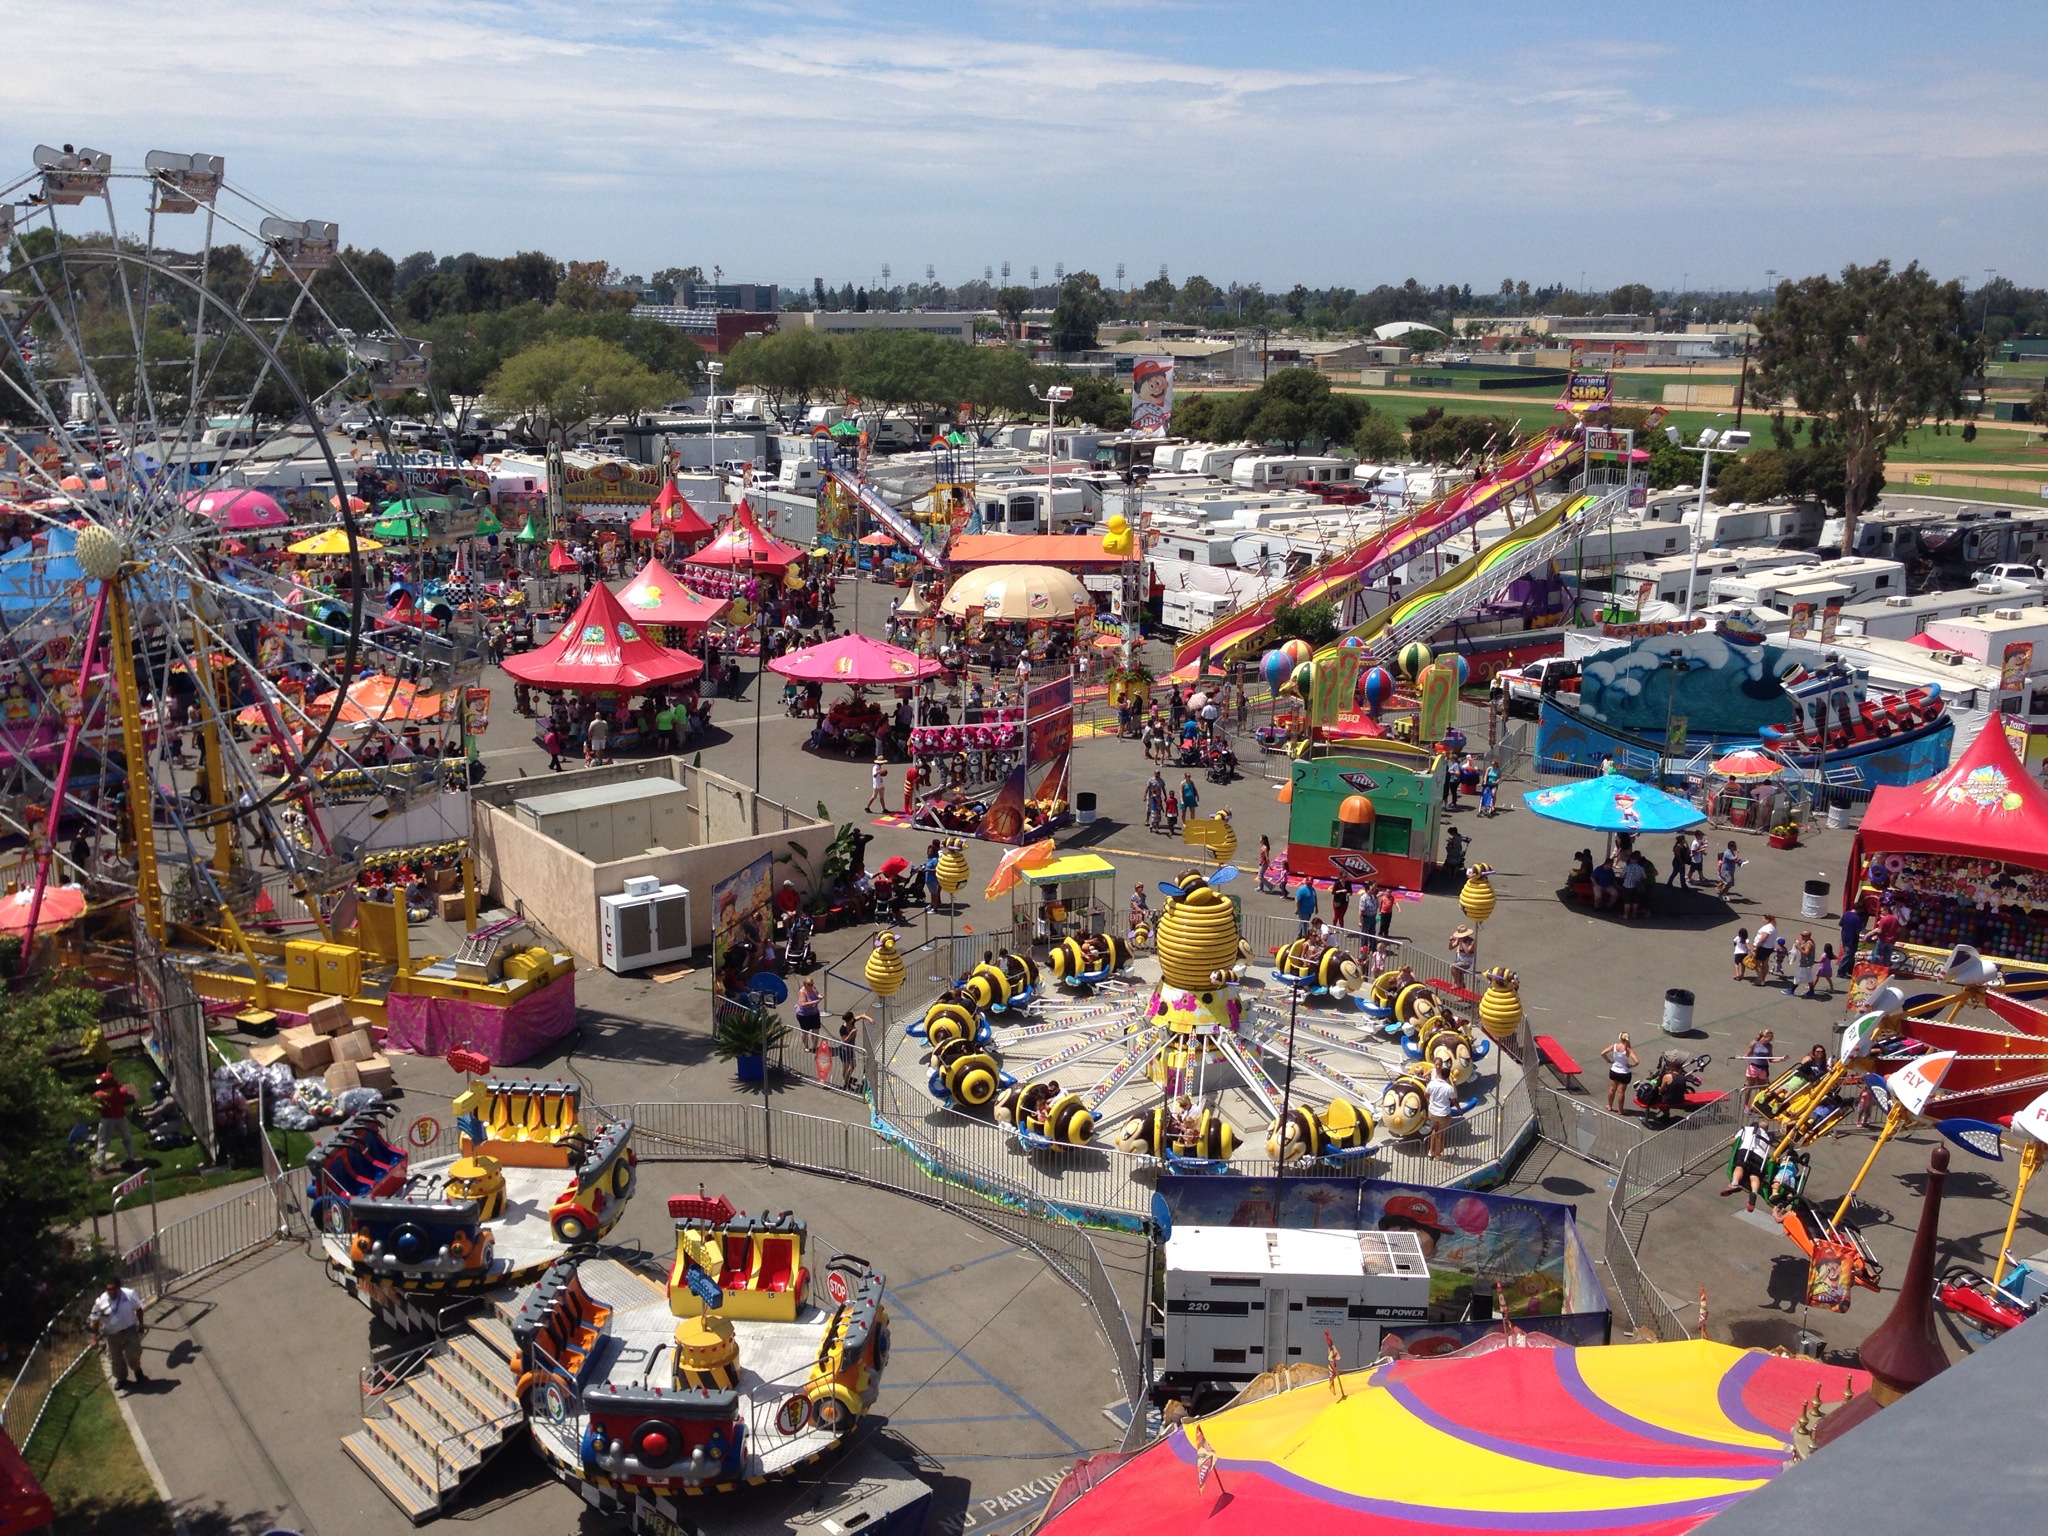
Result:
x=744 y=1034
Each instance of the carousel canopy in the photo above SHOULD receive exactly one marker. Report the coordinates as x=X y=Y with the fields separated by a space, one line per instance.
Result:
x=741 y=545
x=1613 y=802
x=1985 y=806
x=1625 y=1439
x=1017 y=592
x=600 y=650
x=331 y=541
x=377 y=698
x=671 y=513
x=854 y=659
x=655 y=596
x=239 y=510
x=1748 y=763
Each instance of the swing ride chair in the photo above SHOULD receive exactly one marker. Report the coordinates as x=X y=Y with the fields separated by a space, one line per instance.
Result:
x=212 y=343
x=1064 y=1069
x=1972 y=1063
x=733 y=1374
x=496 y=1213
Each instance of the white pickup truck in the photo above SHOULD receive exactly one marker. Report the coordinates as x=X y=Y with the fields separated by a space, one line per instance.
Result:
x=1522 y=688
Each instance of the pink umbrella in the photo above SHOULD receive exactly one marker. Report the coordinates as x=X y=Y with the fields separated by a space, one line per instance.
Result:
x=855 y=659
x=239 y=510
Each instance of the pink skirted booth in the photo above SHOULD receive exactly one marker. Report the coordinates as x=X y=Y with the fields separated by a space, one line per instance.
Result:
x=740 y=554
x=658 y=598
x=858 y=661
x=517 y=1031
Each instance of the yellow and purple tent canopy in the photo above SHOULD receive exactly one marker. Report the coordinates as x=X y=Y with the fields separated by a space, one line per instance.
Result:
x=1625 y=1440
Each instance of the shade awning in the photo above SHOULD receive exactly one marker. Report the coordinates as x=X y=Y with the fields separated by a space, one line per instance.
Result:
x=1613 y=802
x=1071 y=867
x=332 y=541
x=1020 y=592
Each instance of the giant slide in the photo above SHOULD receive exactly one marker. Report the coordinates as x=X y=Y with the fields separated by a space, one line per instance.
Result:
x=1489 y=573
x=870 y=501
x=1385 y=552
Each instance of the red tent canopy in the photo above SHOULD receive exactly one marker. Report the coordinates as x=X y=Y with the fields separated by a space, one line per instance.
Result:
x=741 y=545
x=671 y=513
x=655 y=596
x=1985 y=806
x=855 y=659
x=600 y=650
x=560 y=561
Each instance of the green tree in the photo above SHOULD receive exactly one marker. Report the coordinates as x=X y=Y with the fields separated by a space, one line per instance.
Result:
x=40 y=1185
x=1379 y=439
x=2037 y=408
x=566 y=382
x=794 y=366
x=1011 y=302
x=1297 y=406
x=1872 y=357
x=1314 y=622
x=1212 y=416
x=1632 y=299
x=1098 y=401
x=1197 y=297
x=588 y=286
x=1081 y=309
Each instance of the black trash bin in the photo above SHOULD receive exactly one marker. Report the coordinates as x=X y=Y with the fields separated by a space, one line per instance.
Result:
x=1084 y=806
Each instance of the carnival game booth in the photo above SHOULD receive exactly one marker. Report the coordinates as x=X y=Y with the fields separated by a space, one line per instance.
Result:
x=672 y=518
x=1966 y=852
x=1044 y=609
x=663 y=603
x=1368 y=817
x=740 y=556
x=600 y=652
x=856 y=723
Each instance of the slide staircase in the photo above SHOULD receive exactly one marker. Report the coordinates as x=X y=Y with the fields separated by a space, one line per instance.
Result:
x=436 y=1421
x=869 y=500
x=1470 y=583
x=1374 y=558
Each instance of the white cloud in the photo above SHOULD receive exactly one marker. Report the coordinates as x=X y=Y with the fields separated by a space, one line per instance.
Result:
x=798 y=138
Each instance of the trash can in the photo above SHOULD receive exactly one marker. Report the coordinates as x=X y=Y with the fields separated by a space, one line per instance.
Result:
x=1677 y=1011
x=1838 y=810
x=1084 y=806
x=1814 y=901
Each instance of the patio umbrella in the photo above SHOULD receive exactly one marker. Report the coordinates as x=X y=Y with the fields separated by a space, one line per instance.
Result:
x=488 y=524
x=353 y=504
x=1507 y=1435
x=1613 y=802
x=878 y=540
x=400 y=522
x=238 y=510
x=1018 y=592
x=1013 y=865
x=844 y=429
x=1748 y=763
x=913 y=606
x=854 y=659
x=61 y=904
x=331 y=541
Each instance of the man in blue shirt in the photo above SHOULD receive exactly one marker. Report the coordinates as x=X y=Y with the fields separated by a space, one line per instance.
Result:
x=1852 y=935
x=1305 y=907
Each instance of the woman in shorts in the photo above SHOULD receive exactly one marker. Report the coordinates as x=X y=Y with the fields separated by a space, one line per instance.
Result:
x=1621 y=1066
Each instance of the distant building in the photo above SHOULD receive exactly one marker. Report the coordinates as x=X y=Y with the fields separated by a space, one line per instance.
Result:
x=719 y=329
x=755 y=298
x=954 y=325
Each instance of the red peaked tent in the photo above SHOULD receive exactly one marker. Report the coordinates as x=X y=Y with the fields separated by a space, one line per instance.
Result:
x=601 y=650
x=742 y=546
x=657 y=597
x=671 y=513
x=1984 y=806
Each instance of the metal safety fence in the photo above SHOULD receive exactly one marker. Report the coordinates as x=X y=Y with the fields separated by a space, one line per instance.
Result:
x=1649 y=1167
x=64 y=1342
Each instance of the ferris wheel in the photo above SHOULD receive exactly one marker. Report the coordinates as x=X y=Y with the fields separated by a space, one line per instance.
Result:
x=187 y=382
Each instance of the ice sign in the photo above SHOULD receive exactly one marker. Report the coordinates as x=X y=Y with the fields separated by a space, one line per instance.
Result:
x=72 y=175
x=183 y=182
x=304 y=247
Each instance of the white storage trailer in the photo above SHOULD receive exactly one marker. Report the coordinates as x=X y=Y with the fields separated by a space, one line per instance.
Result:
x=1242 y=1300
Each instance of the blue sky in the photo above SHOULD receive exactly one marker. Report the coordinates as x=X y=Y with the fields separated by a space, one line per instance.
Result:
x=1326 y=143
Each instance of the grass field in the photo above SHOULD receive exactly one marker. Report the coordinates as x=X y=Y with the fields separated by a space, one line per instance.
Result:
x=178 y=1170
x=86 y=1461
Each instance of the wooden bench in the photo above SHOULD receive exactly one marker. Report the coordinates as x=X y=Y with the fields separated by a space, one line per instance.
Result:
x=1559 y=1060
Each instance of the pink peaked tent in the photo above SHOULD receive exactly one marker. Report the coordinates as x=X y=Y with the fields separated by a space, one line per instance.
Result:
x=600 y=650
x=854 y=659
x=742 y=546
x=671 y=513
x=240 y=510
x=656 y=596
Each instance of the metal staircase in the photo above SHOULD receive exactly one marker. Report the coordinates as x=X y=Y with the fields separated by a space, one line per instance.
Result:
x=433 y=1420
x=1490 y=583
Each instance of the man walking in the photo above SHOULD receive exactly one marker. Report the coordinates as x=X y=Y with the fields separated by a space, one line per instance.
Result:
x=117 y=1323
x=114 y=1099
x=1852 y=935
x=878 y=792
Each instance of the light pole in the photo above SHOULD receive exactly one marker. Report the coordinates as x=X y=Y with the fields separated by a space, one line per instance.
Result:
x=1710 y=443
x=714 y=369
x=1054 y=396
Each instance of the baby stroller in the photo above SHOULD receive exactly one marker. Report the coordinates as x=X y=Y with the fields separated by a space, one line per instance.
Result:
x=797 y=955
x=1220 y=762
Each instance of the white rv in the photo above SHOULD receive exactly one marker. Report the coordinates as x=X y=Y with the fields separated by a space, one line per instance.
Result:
x=1861 y=578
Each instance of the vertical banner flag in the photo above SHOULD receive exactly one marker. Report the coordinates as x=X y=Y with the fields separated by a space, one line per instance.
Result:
x=1802 y=621
x=1151 y=397
x=1830 y=616
x=1436 y=694
x=1333 y=685
x=2013 y=668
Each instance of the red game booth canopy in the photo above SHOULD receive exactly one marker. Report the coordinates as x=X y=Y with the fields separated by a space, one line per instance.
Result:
x=671 y=514
x=656 y=596
x=742 y=546
x=855 y=660
x=601 y=650
x=1967 y=850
